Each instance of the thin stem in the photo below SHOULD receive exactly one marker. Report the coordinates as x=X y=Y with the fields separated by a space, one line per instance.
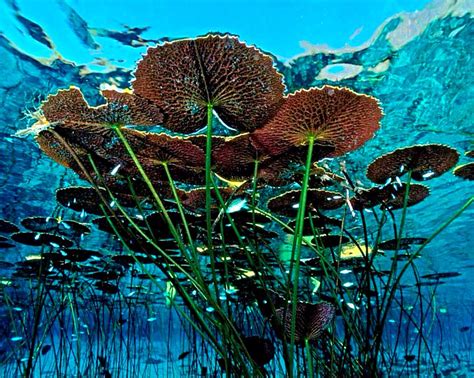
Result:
x=309 y=357
x=208 y=175
x=296 y=250
x=150 y=186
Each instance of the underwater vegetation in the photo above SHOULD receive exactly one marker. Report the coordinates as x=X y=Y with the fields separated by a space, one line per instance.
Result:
x=219 y=196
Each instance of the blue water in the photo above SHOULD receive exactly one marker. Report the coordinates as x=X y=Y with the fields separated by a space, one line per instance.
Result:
x=416 y=57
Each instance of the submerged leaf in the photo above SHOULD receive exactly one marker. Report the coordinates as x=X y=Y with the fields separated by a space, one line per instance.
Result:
x=184 y=76
x=424 y=161
x=338 y=119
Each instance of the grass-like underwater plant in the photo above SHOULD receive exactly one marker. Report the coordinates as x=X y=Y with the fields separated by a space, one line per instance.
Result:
x=262 y=284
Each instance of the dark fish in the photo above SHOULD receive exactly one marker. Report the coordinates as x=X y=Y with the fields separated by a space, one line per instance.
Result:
x=404 y=243
x=464 y=329
x=429 y=283
x=79 y=26
x=457 y=358
x=437 y=276
x=409 y=357
x=35 y=31
x=153 y=361
x=45 y=349
x=183 y=355
x=121 y=321
x=102 y=361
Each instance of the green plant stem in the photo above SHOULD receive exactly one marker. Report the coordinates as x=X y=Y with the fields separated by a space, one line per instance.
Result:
x=408 y=263
x=183 y=217
x=150 y=186
x=297 y=244
x=309 y=357
x=208 y=175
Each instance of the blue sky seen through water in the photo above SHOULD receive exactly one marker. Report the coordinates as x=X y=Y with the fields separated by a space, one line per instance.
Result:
x=275 y=26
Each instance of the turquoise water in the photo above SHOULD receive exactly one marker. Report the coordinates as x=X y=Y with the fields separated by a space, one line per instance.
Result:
x=416 y=57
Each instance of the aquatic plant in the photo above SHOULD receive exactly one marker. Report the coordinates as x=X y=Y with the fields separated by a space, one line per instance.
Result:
x=190 y=216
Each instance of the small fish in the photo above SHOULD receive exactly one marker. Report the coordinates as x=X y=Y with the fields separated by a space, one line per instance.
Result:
x=457 y=358
x=464 y=329
x=153 y=361
x=409 y=357
x=183 y=355
x=236 y=205
x=45 y=349
x=102 y=361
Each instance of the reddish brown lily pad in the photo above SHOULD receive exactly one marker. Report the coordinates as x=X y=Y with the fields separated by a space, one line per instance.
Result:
x=465 y=171
x=337 y=118
x=184 y=76
x=68 y=107
x=311 y=320
x=424 y=161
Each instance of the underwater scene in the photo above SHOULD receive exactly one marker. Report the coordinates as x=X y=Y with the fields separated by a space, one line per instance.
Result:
x=236 y=189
